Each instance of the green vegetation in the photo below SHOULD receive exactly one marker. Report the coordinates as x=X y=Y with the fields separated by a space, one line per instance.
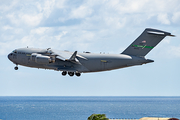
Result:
x=97 y=117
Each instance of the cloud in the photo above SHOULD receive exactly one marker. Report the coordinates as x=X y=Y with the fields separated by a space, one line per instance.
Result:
x=40 y=30
x=115 y=22
x=31 y=20
x=163 y=19
x=81 y=12
x=176 y=17
x=48 y=7
x=58 y=37
x=8 y=5
x=174 y=51
x=81 y=24
x=7 y=27
x=29 y=13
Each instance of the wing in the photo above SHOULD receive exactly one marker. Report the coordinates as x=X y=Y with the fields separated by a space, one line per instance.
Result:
x=61 y=55
x=66 y=56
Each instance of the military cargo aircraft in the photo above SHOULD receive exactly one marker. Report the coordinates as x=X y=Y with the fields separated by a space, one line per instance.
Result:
x=76 y=63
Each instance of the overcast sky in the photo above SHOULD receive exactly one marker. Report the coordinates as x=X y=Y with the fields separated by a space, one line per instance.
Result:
x=90 y=25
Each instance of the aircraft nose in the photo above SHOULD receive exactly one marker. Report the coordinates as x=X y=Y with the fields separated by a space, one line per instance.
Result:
x=10 y=56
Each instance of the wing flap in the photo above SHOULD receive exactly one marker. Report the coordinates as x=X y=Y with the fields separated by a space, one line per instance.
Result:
x=60 y=58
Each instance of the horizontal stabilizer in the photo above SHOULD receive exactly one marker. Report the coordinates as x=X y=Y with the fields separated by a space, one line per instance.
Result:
x=160 y=33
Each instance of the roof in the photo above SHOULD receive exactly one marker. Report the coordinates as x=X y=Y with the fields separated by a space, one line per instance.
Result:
x=157 y=118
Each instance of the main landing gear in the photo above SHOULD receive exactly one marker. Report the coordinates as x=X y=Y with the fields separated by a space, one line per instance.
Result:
x=71 y=73
x=16 y=68
x=64 y=73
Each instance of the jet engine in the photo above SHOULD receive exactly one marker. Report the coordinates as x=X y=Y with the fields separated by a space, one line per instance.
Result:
x=41 y=59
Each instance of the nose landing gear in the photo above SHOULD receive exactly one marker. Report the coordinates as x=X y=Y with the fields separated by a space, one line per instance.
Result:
x=16 y=68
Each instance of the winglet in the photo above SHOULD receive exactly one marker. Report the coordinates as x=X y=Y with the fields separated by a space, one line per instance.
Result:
x=72 y=58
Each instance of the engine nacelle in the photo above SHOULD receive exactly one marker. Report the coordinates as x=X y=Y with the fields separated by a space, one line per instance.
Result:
x=41 y=59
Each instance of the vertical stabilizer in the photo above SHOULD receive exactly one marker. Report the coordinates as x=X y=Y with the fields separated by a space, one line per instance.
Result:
x=146 y=42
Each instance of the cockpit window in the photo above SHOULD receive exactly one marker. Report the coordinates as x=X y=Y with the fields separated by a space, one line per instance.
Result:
x=14 y=51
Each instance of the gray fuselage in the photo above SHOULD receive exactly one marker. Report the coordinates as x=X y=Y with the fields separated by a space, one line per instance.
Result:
x=88 y=62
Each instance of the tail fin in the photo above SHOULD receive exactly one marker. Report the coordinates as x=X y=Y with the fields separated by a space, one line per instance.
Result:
x=146 y=42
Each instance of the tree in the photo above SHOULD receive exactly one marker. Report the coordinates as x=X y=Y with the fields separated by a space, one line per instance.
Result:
x=97 y=117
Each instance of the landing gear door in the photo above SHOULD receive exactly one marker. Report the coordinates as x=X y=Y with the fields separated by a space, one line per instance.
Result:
x=104 y=64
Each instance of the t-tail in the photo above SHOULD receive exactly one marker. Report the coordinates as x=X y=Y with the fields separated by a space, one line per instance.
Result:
x=146 y=42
